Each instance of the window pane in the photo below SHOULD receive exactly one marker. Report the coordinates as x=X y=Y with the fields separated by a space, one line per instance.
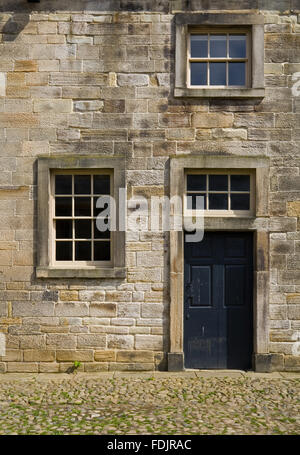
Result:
x=102 y=251
x=82 y=184
x=240 y=201
x=63 y=206
x=237 y=46
x=99 y=210
x=217 y=73
x=218 y=182
x=218 y=46
x=191 y=201
x=199 y=46
x=196 y=182
x=82 y=206
x=240 y=182
x=101 y=234
x=63 y=229
x=83 y=229
x=83 y=251
x=198 y=73
x=237 y=74
x=64 y=251
x=218 y=201
x=63 y=184
x=101 y=184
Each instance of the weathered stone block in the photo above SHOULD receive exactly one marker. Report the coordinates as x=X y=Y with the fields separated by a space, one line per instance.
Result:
x=22 y=367
x=149 y=342
x=52 y=106
x=39 y=356
x=72 y=356
x=135 y=356
x=91 y=341
x=61 y=341
x=212 y=120
x=71 y=309
x=103 y=309
x=105 y=356
x=33 y=309
x=120 y=341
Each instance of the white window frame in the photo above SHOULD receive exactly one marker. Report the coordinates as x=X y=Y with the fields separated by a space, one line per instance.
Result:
x=219 y=31
x=186 y=23
x=46 y=267
x=222 y=213
x=53 y=218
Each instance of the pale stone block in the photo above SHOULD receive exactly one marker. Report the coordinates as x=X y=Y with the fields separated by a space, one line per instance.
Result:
x=22 y=367
x=51 y=367
x=61 y=340
x=71 y=309
x=91 y=341
x=120 y=341
x=32 y=342
x=103 y=309
x=33 y=309
x=149 y=342
x=39 y=356
x=72 y=356
x=137 y=80
x=52 y=106
x=83 y=106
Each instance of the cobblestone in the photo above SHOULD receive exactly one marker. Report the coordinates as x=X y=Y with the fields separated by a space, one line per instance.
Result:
x=150 y=403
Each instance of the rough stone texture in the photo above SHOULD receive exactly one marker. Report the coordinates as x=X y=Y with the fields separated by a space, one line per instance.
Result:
x=100 y=82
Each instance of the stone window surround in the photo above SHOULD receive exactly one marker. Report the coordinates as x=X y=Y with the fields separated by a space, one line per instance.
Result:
x=45 y=165
x=258 y=224
x=255 y=21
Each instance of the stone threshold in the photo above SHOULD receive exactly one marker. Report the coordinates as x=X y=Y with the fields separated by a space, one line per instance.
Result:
x=41 y=377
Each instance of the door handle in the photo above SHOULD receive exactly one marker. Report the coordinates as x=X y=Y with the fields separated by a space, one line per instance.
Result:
x=187 y=316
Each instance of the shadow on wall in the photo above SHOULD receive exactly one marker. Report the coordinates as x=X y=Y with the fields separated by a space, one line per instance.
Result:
x=20 y=10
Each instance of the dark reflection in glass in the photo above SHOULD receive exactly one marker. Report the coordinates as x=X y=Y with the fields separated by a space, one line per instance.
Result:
x=63 y=184
x=237 y=74
x=198 y=73
x=218 y=46
x=196 y=182
x=63 y=206
x=217 y=73
x=97 y=211
x=192 y=201
x=240 y=202
x=237 y=46
x=240 y=182
x=218 y=182
x=101 y=184
x=102 y=234
x=83 y=229
x=102 y=251
x=64 y=251
x=82 y=184
x=83 y=251
x=82 y=206
x=199 y=46
x=218 y=201
x=63 y=229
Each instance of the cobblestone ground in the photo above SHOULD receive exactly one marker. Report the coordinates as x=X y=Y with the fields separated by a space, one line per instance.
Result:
x=154 y=403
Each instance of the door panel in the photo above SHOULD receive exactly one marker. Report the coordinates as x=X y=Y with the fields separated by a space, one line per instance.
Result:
x=218 y=301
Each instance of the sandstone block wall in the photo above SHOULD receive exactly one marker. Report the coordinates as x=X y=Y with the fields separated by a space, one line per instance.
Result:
x=101 y=81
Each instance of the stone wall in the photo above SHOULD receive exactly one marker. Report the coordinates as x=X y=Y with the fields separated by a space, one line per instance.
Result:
x=102 y=82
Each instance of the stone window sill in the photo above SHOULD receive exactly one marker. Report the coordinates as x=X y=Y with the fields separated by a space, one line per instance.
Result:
x=219 y=93
x=87 y=272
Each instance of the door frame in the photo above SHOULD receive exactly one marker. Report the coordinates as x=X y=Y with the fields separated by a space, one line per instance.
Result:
x=258 y=224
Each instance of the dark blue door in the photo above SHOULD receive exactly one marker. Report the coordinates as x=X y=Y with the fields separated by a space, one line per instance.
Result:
x=218 y=310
